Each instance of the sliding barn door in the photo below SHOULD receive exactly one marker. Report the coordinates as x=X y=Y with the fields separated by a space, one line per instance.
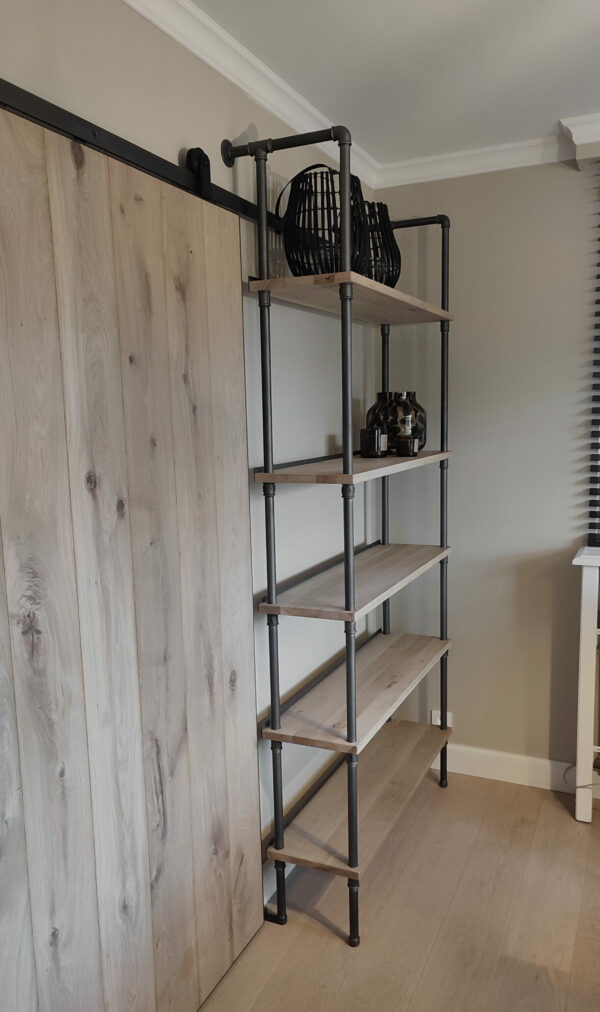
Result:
x=130 y=873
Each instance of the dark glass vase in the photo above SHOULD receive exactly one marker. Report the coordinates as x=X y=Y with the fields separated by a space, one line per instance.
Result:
x=377 y=415
x=421 y=418
x=394 y=412
x=403 y=418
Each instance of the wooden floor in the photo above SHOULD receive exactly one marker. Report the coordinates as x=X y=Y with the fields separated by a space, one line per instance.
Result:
x=486 y=899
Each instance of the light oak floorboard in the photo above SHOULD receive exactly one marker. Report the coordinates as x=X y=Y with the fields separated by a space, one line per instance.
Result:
x=466 y=876
x=537 y=957
x=584 y=986
x=469 y=944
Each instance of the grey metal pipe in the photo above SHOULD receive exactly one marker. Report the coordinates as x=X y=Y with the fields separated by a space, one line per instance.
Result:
x=229 y=151
x=264 y=300
x=444 y=335
x=385 y=485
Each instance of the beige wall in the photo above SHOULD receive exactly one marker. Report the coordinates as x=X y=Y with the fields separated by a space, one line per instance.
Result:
x=522 y=244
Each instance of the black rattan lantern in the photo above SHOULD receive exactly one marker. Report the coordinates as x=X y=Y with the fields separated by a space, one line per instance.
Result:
x=311 y=234
x=384 y=261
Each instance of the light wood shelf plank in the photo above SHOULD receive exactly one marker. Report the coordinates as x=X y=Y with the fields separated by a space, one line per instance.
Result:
x=372 y=302
x=380 y=572
x=330 y=472
x=393 y=765
x=387 y=670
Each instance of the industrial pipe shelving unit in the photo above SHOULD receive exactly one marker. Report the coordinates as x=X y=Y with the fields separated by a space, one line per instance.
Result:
x=344 y=711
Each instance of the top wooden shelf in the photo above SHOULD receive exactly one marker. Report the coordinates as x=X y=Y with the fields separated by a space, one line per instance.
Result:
x=372 y=302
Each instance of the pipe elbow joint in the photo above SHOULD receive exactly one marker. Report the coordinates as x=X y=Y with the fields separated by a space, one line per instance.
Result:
x=341 y=134
x=444 y=220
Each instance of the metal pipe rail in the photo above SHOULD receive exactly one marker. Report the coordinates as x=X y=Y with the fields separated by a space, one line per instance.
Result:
x=259 y=150
x=444 y=221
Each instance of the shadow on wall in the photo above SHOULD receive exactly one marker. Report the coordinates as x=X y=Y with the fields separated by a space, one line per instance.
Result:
x=564 y=657
x=552 y=579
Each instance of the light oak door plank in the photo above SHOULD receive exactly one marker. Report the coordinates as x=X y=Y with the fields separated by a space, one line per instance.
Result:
x=463 y=960
x=85 y=273
x=137 y=227
x=230 y=448
x=195 y=477
x=584 y=986
x=534 y=969
x=35 y=515
x=17 y=962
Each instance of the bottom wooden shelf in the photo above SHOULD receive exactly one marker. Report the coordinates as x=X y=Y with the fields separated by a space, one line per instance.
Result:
x=390 y=770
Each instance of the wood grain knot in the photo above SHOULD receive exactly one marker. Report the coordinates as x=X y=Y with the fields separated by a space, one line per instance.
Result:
x=54 y=937
x=132 y=359
x=78 y=155
x=233 y=677
x=91 y=481
x=32 y=636
x=120 y=506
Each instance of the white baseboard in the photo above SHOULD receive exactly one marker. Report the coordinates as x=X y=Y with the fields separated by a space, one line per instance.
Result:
x=511 y=768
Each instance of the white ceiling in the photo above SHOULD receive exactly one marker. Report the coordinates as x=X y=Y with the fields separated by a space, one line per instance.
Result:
x=427 y=77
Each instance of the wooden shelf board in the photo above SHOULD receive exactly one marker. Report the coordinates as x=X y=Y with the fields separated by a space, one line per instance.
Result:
x=329 y=472
x=387 y=670
x=391 y=768
x=372 y=302
x=380 y=571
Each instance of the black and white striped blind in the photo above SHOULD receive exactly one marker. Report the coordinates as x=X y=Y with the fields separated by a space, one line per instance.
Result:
x=594 y=507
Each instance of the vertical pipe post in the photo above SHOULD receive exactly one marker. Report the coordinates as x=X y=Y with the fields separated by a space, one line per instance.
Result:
x=348 y=494
x=385 y=489
x=264 y=301
x=444 y=331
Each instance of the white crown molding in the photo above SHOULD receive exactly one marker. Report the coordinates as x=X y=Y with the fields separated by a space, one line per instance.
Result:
x=583 y=129
x=192 y=28
x=584 y=132
x=205 y=38
x=472 y=162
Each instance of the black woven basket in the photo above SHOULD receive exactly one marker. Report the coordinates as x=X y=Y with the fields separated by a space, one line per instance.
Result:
x=384 y=261
x=311 y=234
